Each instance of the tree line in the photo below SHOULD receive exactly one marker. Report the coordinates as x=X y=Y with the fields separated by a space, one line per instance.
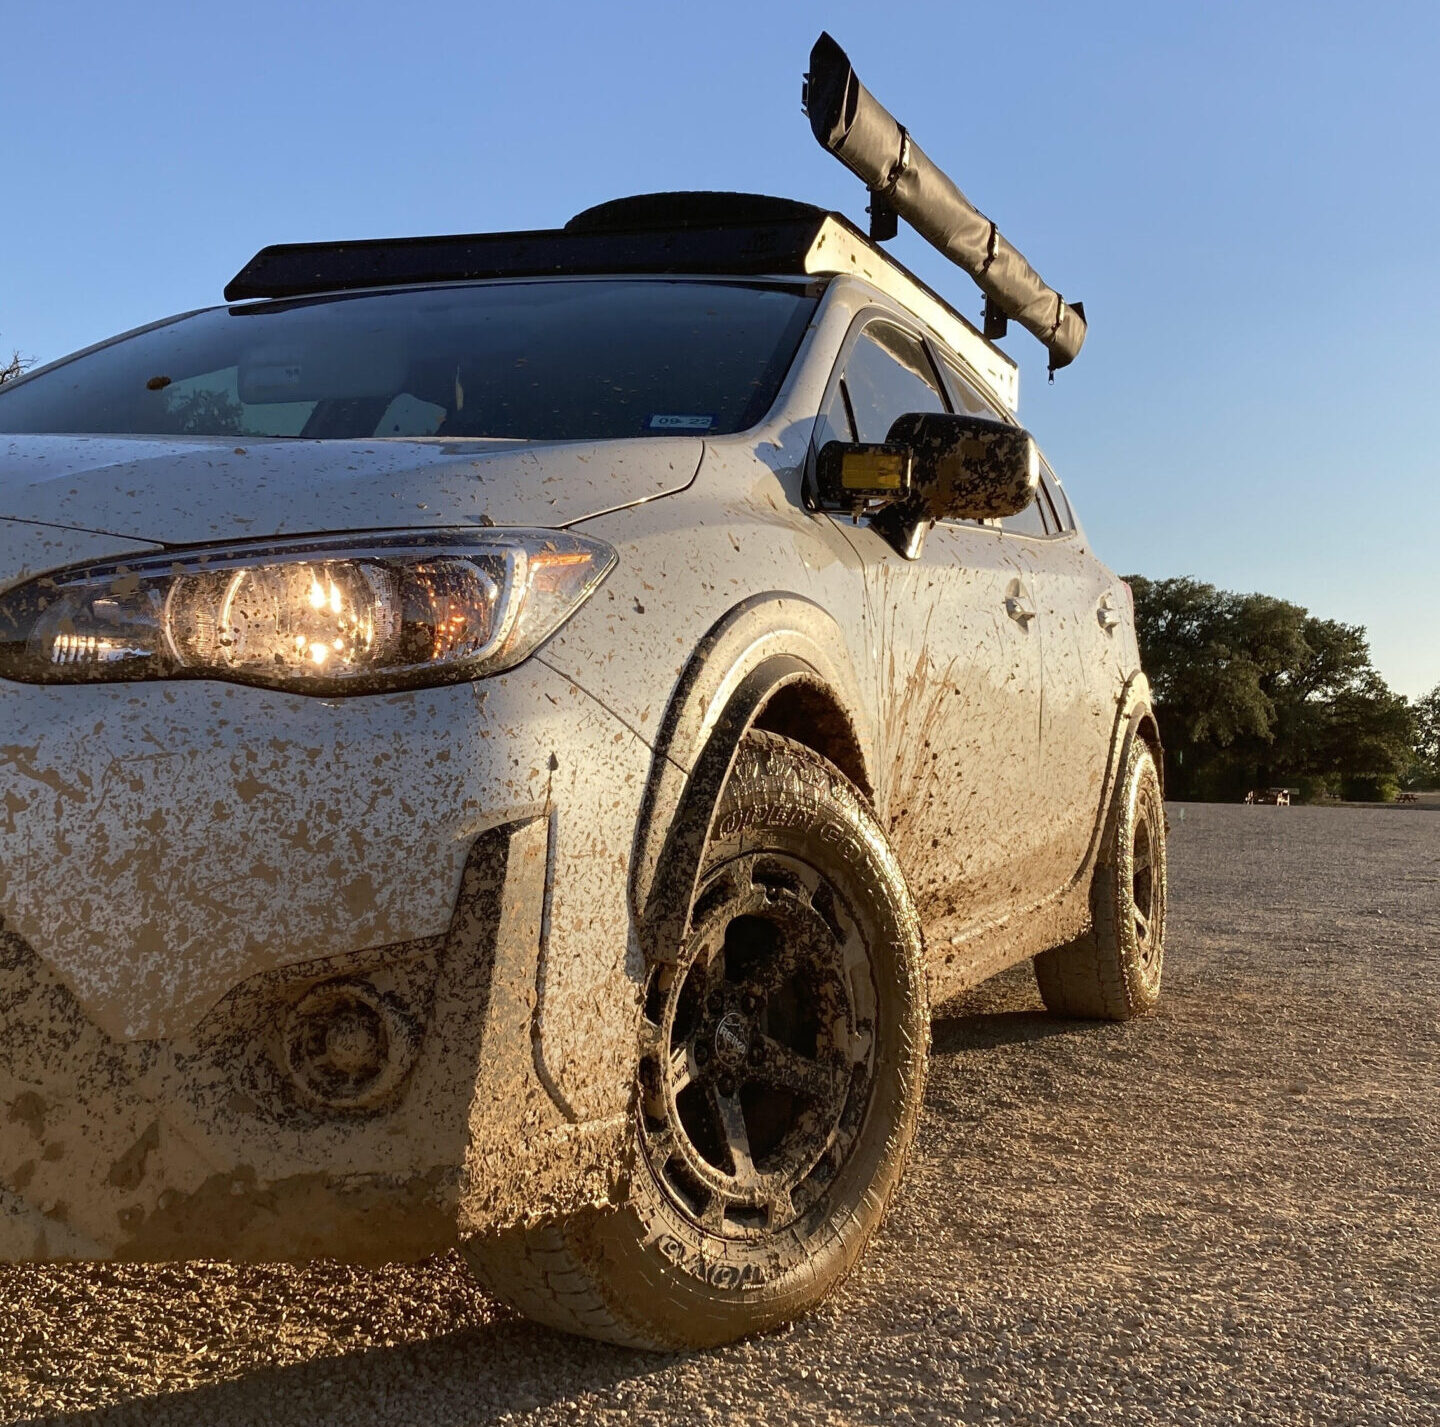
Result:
x=1256 y=692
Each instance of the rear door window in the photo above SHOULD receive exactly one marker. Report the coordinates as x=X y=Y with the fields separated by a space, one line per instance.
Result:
x=1030 y=521
x=1064 y=516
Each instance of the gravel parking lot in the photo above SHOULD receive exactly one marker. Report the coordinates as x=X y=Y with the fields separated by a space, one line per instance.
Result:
x=1229 y=1213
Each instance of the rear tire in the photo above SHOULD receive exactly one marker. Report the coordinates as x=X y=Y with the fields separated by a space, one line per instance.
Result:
x=782 y=1067
x=1112 y=972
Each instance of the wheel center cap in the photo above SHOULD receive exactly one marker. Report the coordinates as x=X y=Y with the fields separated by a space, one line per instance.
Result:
x=732 y=1039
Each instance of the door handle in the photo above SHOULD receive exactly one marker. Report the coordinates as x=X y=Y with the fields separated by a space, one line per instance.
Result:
x=1108 y=615
x=1018 y=610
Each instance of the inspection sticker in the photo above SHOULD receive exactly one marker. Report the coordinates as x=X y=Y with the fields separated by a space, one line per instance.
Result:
x=679 y=423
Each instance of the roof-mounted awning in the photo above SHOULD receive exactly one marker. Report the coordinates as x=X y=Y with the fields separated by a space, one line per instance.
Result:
x=854 y=126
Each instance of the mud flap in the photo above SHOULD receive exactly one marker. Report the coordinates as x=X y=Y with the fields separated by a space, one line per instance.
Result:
x=526 y=1161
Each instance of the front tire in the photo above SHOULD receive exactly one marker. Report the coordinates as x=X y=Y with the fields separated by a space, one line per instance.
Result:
x=1112 y=972
x=782 y=1067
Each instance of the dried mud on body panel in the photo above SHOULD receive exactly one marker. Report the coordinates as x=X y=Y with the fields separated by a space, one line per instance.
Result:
x=526 y=1157
x=202 y=1147
x=960 y=685
x=1089 y=669
x=160 y=844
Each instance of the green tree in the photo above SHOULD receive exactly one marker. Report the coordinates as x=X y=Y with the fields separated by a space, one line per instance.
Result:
x=1427 y=739
x=1208 y=690
x=1364 y=738
x=1254 y=691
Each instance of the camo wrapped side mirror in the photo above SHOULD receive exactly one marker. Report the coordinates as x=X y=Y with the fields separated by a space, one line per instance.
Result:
x=966 y=467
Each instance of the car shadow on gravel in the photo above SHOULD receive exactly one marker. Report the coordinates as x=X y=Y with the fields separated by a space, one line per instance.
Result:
x=986 y=1032
x=478 y=1375
x=1005 y=1010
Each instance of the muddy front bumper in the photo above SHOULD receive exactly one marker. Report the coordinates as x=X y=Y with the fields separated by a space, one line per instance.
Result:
x=282 y=1082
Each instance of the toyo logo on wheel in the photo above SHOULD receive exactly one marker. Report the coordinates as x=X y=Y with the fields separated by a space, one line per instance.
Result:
x=717 y=1275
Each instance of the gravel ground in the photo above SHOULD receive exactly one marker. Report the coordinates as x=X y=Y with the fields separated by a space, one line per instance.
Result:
x=1228 y=1213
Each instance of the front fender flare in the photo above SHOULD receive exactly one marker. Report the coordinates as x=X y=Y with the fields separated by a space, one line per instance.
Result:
x=768 y=643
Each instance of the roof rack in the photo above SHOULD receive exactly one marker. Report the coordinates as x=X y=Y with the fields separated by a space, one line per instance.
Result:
x=852 y=124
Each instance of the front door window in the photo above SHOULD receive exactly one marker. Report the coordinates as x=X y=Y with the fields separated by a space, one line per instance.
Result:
x=887 y=376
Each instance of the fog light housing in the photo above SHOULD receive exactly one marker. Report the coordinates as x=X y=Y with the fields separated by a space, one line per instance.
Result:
x=347 y=1047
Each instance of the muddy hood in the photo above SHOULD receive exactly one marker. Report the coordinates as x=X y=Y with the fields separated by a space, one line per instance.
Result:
x=192 y=490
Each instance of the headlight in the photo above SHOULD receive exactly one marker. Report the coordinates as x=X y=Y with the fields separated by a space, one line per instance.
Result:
x=336 y=615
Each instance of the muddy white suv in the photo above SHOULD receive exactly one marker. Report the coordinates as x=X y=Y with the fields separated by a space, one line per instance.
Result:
x=505 y=738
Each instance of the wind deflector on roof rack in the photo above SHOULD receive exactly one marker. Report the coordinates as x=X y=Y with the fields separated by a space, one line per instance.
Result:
x=854 y=126
x=295 y=269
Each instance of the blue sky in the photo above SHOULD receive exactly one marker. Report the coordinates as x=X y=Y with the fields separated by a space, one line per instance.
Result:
x=1244 y=195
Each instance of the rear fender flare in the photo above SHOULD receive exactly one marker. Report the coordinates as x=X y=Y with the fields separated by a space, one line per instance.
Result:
x=769 y=643
x=1134 y=718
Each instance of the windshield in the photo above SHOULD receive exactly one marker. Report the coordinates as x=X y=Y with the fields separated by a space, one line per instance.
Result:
x=540 y=361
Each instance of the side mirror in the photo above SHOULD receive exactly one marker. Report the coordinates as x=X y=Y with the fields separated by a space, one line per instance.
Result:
x=931 y=466
x=967 y=467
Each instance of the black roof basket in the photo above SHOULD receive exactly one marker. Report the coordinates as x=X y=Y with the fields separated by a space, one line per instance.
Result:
x=854 y=126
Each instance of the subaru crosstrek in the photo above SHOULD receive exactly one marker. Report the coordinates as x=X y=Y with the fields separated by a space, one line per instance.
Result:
x=509 y=760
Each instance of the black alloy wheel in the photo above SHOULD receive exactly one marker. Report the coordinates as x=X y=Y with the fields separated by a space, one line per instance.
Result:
x=758 y=1049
